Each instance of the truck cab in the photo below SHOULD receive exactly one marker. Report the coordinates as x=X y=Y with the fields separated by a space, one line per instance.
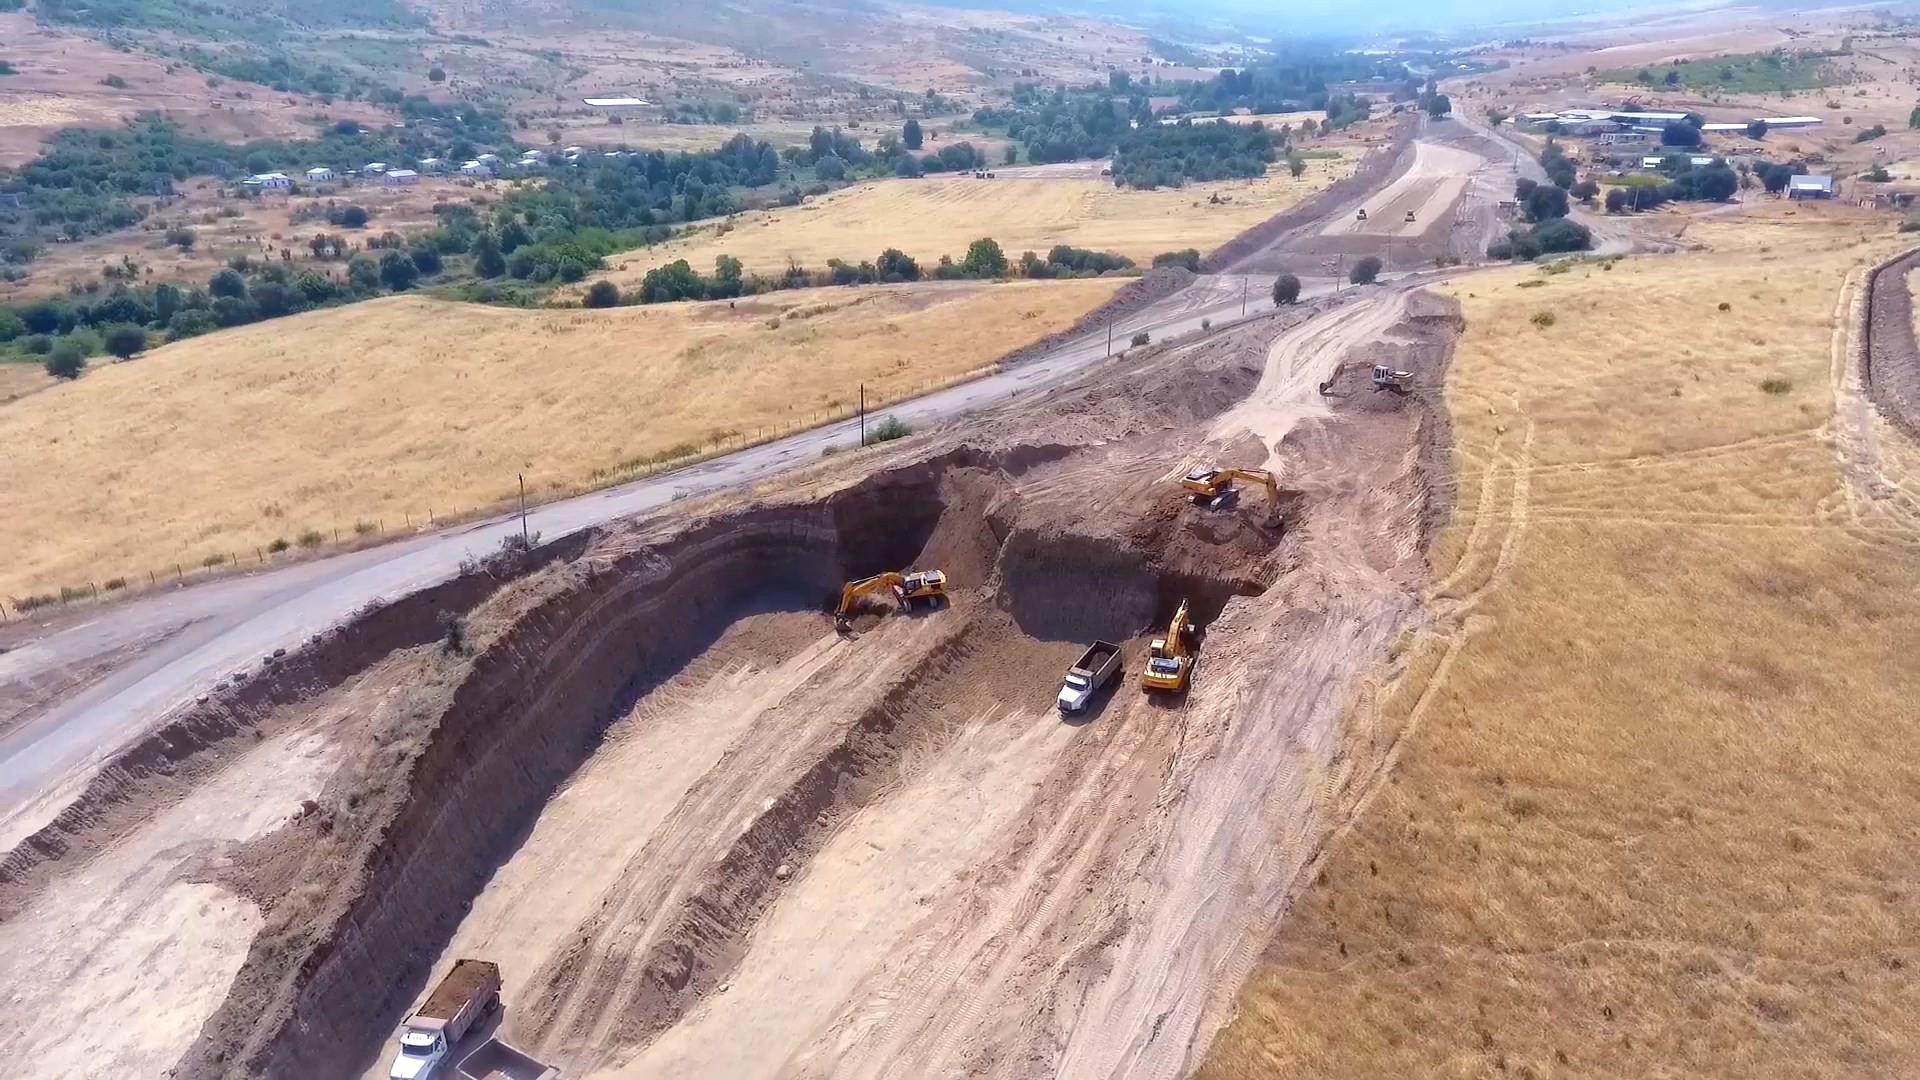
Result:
x=421 y=1055
x=1075 y=690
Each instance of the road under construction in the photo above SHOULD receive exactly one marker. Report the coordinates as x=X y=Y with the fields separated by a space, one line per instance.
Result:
x=710 y=810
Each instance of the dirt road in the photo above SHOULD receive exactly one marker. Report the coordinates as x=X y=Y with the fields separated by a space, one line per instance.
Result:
x=1421 y=195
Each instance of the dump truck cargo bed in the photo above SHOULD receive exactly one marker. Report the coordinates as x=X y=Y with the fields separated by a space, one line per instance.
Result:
x=495 y=1060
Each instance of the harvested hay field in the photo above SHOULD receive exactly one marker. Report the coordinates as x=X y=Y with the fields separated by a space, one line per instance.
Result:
x=1653 y=806
x=385 y=409
x=934 y=217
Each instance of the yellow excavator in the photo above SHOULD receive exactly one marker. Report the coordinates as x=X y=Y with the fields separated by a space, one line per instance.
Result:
x=1214 y=487
x=908 y=589
x=1170 y=658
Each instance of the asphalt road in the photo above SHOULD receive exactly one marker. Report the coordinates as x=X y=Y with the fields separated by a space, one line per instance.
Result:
x=164 y=650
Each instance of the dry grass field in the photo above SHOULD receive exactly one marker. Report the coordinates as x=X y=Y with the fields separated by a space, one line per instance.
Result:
x=934 y=217
x=1655 y=797
x=397 y=406
x=259 y=229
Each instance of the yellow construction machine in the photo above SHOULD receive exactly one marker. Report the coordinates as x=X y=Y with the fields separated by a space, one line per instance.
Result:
x=1214 y=487
x=1170 y=658
x=908 y=589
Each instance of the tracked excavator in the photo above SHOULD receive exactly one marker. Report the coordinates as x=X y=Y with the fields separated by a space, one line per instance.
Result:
x=1385 y=377
x=1213 y=487
x=1170 y=658
x=908 y=589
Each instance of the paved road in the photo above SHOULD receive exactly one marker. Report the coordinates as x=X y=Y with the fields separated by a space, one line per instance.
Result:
x=181 y=643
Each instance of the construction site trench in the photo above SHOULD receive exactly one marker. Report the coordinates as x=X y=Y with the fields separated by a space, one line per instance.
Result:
x=539 y=697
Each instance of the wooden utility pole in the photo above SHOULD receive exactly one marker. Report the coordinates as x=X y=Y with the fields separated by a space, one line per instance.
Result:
x=863 y=414
x=523 y=507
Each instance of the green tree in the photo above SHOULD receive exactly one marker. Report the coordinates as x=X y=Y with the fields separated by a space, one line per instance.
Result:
x=1757 y=129
x=1296 y=165
x=182 y=238
x=436 y=73
x=1012 y=156
x=66 y=361
x=363 y=274
x=166 y=300
x=274 y=299
x=1585 y=190
x=487 y=260
x=397 y=271
x=1439 y=105
x=910 y=135
x=227 y=281
x=124 y=340
x=353 y=217
x=1286 y=289
x=10 y=326
x=1544 y=202
x=427 y=259
x=603 y=294
x=985 y=259
x=830 y=168
x=1913 y=118
x=1617 y=201
x=1367 y=270
x=896 y=265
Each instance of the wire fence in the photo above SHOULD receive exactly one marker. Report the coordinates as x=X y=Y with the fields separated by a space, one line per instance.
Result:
x=316 y=542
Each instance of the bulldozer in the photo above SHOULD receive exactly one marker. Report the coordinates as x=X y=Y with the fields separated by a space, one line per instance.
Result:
x=1386 y=377
x=1170 y=658
x=1213 y=487
x=908 y=589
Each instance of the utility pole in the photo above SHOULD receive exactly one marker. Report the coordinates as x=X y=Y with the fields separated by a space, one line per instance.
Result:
x=523 y=508
x=1243 y=295
x=1109 y=335
x=863 y=414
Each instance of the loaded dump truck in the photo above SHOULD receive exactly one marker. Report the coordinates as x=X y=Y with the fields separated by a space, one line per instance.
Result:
x=470 y=991
x=1095 y=668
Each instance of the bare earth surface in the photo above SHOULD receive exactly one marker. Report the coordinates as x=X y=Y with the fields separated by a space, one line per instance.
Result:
x=704 y=836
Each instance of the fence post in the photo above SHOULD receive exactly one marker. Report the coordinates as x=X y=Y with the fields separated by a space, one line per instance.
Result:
x=95 y=588
x=151 y=580
x=179 y=572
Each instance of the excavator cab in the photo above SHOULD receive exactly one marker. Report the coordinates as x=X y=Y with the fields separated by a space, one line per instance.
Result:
x=1213 y=487
x=928 y=585
x=1361 y=216
x=1170 y=658
x=1386 y=377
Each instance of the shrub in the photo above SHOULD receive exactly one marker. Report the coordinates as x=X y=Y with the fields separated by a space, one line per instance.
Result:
x=1189 y=258
x=453 y=633
x=1542 y=319
x=66 y=361
x=1366 y=271
x=125 y=340
x=1776 y=385
x=365 y=528
x=312 y=538
x=1142 y=338
x=603 y=294
x=1206 y=324
x=279 y=545
x=1286 y=289
x=1910 y=226
x=984 y=259
x=37 y=344
x=114 y=81
x=114 y=584
x=212 y=561
x=183 y=239
x=1724 y=306
x=889 y=429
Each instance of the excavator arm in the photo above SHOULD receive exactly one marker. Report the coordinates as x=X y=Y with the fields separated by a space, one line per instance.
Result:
x=1261 y=477
x=852 y=591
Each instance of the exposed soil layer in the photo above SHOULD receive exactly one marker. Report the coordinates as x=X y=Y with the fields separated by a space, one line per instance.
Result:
x=207 y=735
x=1890 y=362
x=919 y=757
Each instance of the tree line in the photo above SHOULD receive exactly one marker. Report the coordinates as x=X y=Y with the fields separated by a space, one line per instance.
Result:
x=984 y=259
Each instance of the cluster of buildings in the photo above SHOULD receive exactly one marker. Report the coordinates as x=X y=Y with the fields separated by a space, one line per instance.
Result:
x=1621 y=125
x=480 y=167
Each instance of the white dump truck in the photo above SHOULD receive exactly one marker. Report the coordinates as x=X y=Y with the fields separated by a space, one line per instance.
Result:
x=1095 y=669
x=470 y=991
